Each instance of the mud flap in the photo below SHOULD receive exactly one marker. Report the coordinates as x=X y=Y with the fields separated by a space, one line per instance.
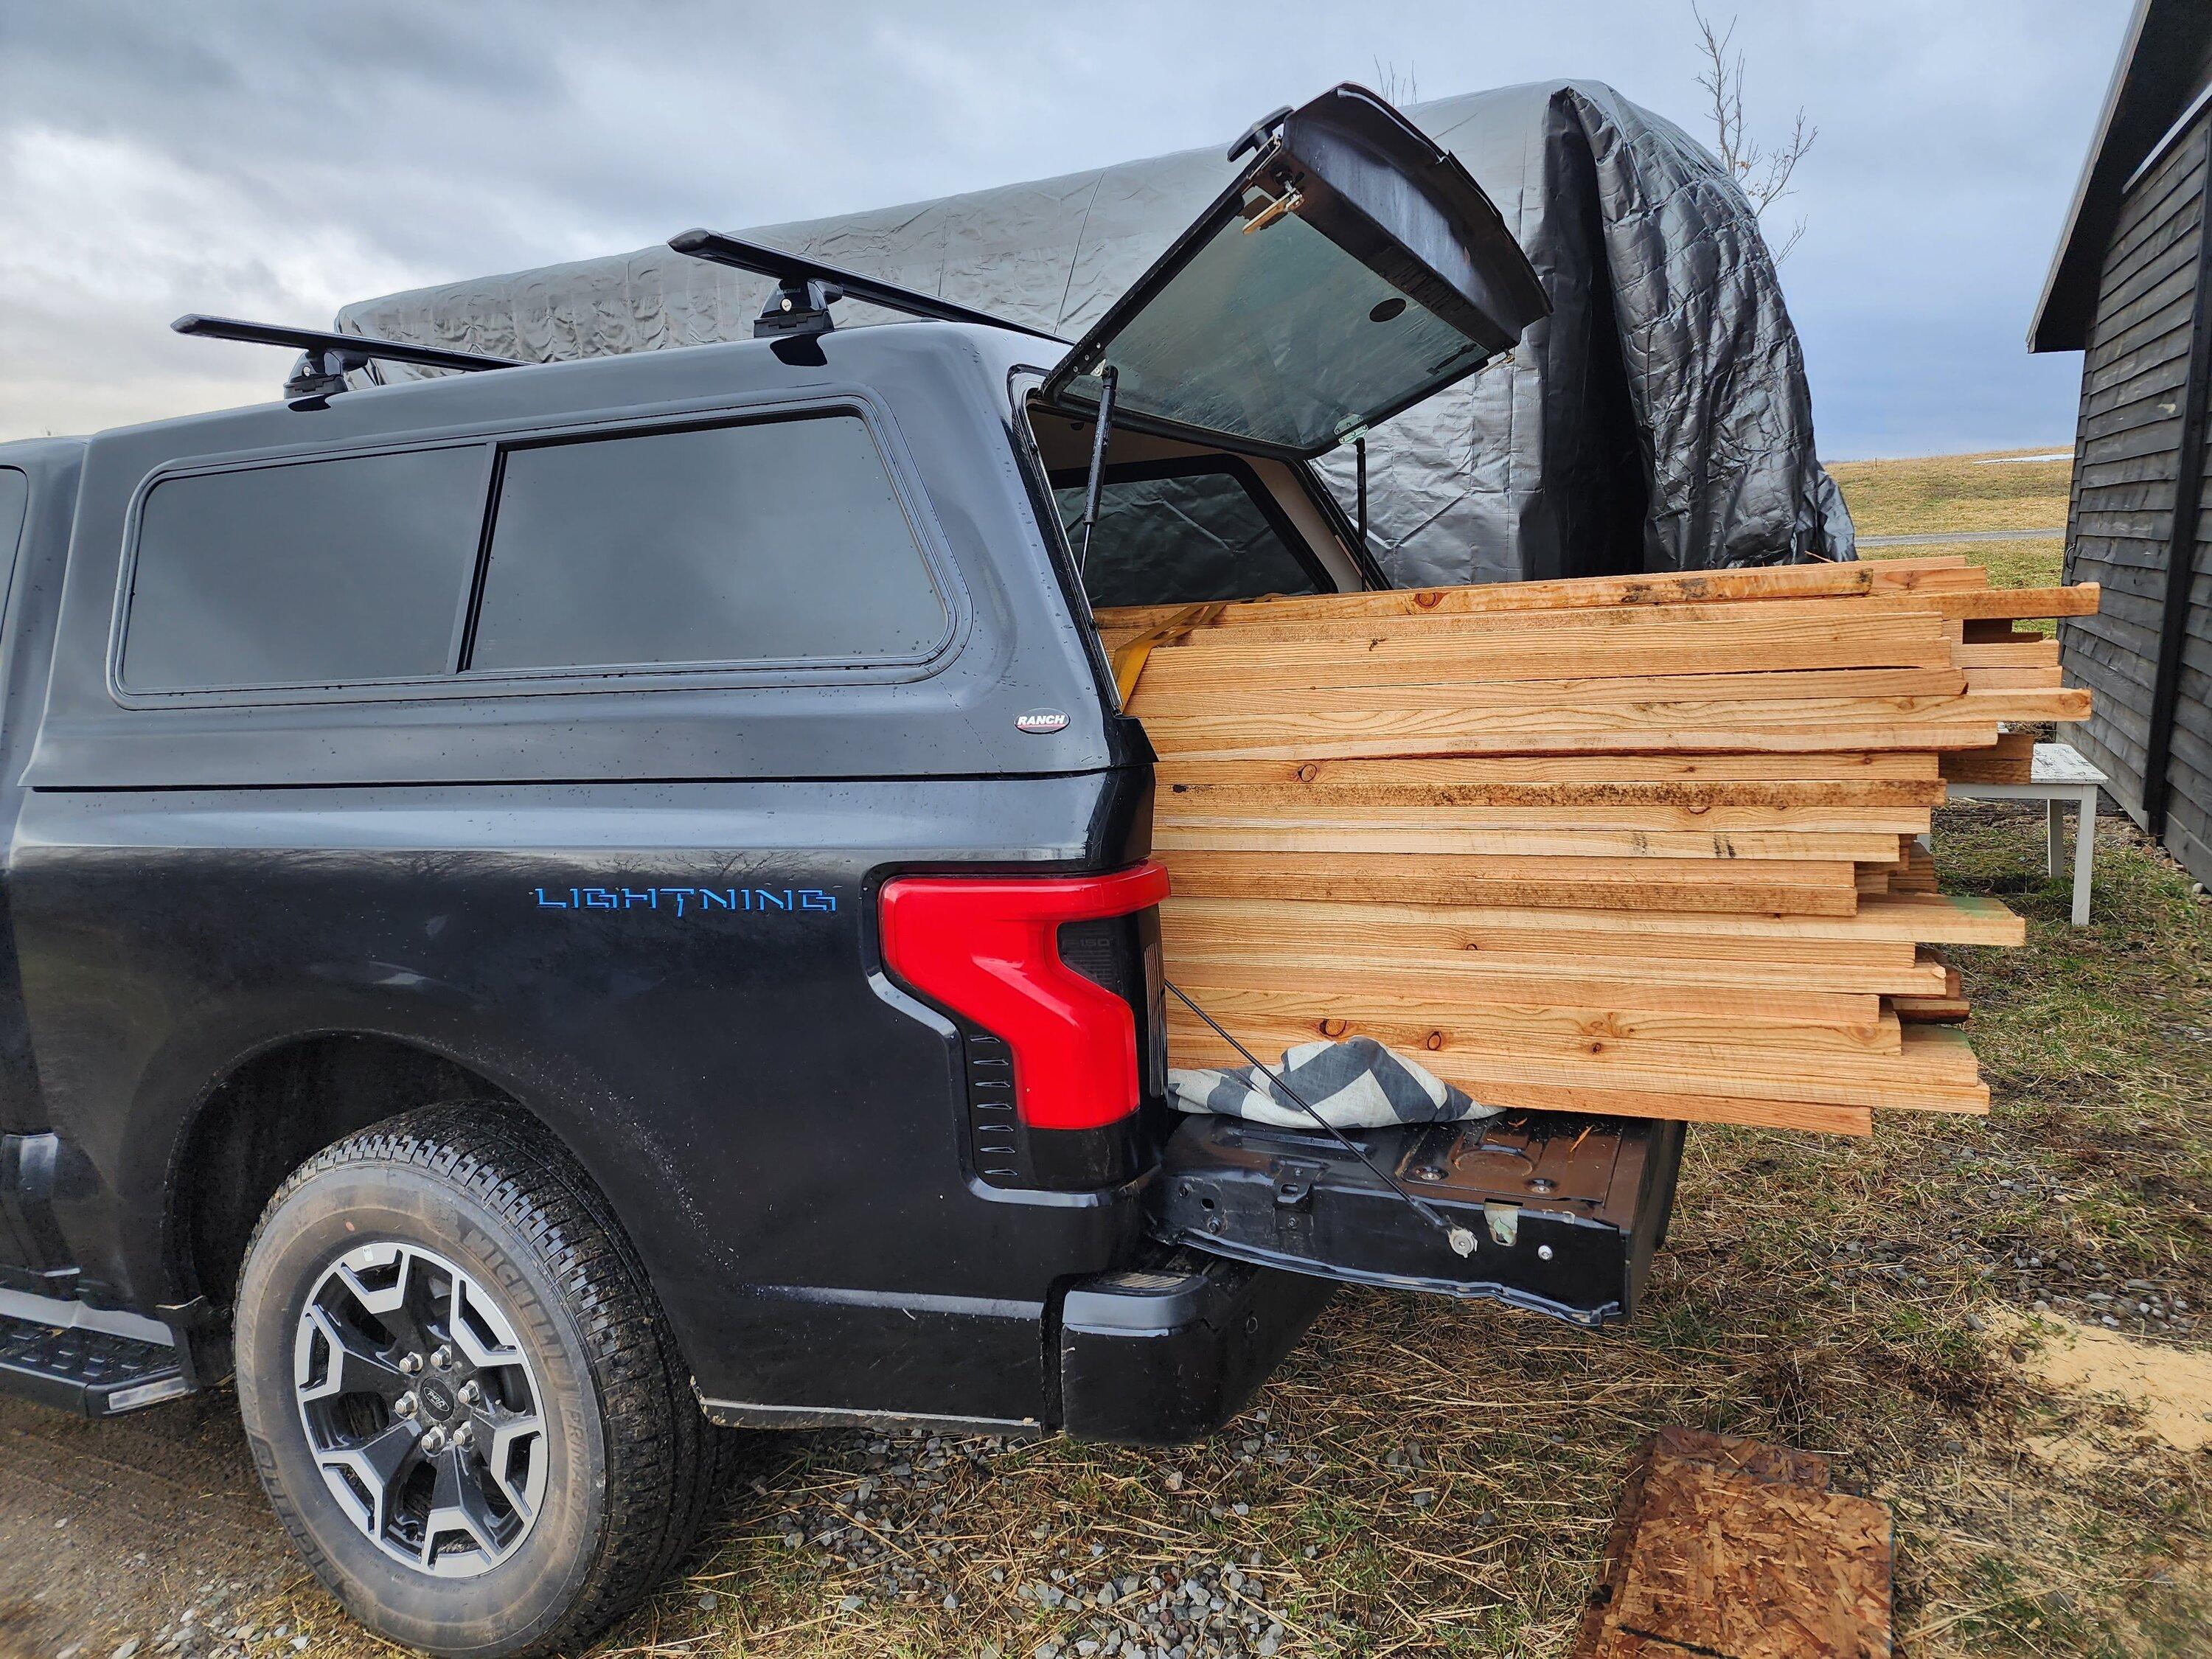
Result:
x=1565 y=1211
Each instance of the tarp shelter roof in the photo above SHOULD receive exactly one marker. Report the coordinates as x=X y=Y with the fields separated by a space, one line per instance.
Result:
x=1658 y=419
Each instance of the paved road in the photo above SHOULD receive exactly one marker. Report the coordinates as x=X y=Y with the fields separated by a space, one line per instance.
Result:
x=111 y=1531
x=1964 y=536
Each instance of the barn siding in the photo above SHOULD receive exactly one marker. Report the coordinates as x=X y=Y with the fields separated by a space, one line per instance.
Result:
x=2120 y=518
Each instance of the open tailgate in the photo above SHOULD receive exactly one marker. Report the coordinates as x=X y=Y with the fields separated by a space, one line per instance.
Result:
x=1565 y=1211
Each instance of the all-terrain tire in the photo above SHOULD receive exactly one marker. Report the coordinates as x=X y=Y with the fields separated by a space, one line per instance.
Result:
x=633 y=1463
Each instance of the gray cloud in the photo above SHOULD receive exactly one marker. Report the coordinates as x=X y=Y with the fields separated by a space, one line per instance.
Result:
x=280 y=158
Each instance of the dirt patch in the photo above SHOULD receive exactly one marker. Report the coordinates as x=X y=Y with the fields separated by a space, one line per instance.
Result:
x=114 y=1530
x=2169 y=1388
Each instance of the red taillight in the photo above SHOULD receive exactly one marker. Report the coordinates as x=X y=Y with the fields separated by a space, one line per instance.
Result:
x=987 y=948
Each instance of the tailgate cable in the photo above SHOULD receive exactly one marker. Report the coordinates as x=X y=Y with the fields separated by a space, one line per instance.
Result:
x=1461 y=1240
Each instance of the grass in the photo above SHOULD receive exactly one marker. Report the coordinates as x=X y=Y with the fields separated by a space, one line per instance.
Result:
x=1424 y=1476
x=1935 y=492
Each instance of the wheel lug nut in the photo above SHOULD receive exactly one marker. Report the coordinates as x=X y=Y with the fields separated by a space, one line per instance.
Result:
x=471 y=1394
x=403 y=1406
x=464 y=1436
x=442 y=1358
x=435 y=1441
x=410 y=1363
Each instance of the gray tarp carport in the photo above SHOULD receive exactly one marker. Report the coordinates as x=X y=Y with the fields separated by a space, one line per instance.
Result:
x=1658 y=420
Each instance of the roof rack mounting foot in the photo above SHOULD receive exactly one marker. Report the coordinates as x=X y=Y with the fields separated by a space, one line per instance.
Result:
x=800 y=308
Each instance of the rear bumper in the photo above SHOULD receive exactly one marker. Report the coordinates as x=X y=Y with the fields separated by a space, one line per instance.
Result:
x=1152 y=1357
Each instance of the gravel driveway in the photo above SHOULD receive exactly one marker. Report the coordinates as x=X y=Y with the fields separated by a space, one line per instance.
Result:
x=111 y=1531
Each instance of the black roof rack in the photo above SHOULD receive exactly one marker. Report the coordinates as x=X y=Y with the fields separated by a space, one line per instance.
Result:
x=330 y=357
x=806 y=288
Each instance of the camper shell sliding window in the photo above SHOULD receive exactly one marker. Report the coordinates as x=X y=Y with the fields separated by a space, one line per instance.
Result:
x=610 y=552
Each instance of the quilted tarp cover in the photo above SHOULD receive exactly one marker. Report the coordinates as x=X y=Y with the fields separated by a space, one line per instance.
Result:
x=1658 y=419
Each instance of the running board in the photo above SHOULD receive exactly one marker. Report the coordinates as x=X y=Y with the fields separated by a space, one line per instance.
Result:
x=76 y=1368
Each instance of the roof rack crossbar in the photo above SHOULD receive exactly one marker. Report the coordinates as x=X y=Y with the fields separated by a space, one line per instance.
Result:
x=806 y=286
x=330 y=355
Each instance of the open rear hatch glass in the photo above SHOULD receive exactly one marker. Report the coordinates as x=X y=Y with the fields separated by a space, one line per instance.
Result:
x=1565 y=1211
x=1351 y=269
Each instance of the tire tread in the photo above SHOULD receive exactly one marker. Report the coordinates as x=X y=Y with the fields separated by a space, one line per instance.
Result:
x=664 y=1458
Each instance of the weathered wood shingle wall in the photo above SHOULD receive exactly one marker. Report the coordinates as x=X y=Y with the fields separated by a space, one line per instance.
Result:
x=2127 y=457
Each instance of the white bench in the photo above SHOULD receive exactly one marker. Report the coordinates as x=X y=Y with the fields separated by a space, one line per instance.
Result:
x=2059 y=775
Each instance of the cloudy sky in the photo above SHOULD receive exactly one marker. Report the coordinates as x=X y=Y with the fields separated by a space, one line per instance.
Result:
x=276 y=160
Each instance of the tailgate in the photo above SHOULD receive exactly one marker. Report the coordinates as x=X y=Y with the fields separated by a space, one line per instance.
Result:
x=1565 y=1211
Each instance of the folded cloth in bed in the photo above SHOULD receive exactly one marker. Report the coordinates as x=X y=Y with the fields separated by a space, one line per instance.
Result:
x=1357 y=1084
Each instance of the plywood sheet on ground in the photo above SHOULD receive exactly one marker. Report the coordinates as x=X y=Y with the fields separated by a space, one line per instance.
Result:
x=1727 y=1549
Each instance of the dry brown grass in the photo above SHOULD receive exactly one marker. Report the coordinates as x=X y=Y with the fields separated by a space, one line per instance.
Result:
x=1935 y=493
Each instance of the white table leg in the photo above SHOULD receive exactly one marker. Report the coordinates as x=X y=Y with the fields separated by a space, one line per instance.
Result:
x=2085 y=849
x=2054 y=836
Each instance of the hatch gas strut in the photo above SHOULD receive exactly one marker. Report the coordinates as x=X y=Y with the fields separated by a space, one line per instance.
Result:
x=331 y=357
x=805 y=287
x=1102 y=434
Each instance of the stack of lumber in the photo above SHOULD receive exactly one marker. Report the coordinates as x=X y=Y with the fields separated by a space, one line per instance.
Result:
x=1641 y=845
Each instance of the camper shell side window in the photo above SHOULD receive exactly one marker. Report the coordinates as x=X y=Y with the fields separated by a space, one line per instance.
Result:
x=737 y=545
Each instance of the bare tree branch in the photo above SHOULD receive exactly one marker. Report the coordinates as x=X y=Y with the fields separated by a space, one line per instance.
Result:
x=1393 y=89
x=1763 y=174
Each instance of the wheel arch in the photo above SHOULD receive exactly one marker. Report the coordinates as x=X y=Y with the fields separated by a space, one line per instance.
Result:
x=208 y=1158
x=270 y=1111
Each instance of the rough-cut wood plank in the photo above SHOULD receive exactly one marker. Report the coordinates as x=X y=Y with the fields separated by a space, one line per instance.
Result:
x=1507 y=975
x=1890 y=689
x=1352 y=936
x=1419 y=808
x=1890 y=1065
x=2064 y=703
x=1879 y=926
x=1232 y=665
x=1653 y=981
x=1665 y=1036
x=1326 y=732
x=2035 y=678
x=2031 y=650
x=1236 y=628
x=1782 y=886
x=1873 y=778
x=1508 y=1077
x=1475 y=986
x=1938 y=1010
x=1389 y=833
x=2011 y=759
x=1943 y=1054
x=1473 y=611
x=1918 y=874
x=2079 y=600
x=1886 y=576
x=1867 y=766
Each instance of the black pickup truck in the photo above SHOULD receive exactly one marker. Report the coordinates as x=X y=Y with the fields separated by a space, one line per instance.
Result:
x=550 y=910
